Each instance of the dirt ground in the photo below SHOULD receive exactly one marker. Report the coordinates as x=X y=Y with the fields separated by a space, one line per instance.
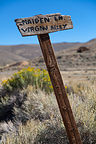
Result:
x=78 y=75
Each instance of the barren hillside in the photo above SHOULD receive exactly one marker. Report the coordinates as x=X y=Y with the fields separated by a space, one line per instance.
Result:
x=67 y=55
x=15 y=53
x=72 y=58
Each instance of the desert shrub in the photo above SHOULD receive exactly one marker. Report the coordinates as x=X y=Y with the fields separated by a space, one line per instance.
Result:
x=11 y=94
x=83 y=102
x=7 y=103
x=40 y=114
x=25 y=135
x=52 y=134
x=42 y=110
x=37 y=106
x=29 y=76
x=36 y=132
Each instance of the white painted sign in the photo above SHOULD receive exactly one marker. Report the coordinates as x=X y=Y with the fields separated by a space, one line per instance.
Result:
x=41 y=24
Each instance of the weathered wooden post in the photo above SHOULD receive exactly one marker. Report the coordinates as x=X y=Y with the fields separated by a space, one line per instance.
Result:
x=41 y=25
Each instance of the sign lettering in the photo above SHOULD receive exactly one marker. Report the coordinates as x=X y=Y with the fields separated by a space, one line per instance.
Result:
x=42 y=24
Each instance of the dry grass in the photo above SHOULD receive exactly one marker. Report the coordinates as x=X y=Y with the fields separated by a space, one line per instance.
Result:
x=43 y=121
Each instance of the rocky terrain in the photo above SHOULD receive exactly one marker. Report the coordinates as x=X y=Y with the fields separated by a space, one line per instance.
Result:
x=80 y=56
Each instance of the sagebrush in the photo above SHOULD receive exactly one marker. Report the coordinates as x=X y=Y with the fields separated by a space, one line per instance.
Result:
x=38 y=119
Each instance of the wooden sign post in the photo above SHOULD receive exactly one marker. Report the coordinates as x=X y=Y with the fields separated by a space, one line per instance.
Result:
x=41 y=25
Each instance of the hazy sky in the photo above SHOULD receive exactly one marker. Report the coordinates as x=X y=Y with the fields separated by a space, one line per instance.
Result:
x=83 y=13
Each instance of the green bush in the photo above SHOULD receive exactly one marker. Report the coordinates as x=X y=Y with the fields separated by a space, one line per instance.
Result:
x=29 y=76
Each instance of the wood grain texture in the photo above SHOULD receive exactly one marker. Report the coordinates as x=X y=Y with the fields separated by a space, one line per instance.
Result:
x=41 y=24
x=59 y=89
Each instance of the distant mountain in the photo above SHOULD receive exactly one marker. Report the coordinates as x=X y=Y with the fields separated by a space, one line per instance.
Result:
x=17 y=53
